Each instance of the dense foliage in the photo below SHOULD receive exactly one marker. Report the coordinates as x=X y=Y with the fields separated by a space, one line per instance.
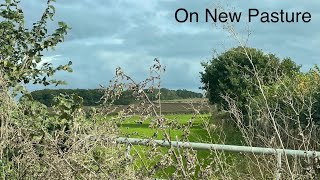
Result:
x=232 y=74
x=65 y=144
x=91 y=97
x=22 y=48
x=34 y=144
x=294 y=101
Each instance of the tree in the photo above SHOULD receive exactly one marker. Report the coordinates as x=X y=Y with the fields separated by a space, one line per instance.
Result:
x=232 y=74
x=21 y=49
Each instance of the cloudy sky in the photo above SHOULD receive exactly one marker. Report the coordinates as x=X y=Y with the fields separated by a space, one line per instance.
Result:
x=106 y=34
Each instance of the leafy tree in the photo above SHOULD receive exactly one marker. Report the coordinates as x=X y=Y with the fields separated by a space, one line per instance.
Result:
x=21 y=48
x=232 y=74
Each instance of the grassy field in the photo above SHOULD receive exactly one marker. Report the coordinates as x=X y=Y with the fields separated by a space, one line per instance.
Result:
x=142 y=130
x=198 y=133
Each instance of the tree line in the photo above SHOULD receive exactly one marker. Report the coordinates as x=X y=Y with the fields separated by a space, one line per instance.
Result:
x=91 y=97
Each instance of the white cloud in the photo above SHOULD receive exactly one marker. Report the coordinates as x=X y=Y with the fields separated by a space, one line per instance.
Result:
x=49 y=59
x=91 y=41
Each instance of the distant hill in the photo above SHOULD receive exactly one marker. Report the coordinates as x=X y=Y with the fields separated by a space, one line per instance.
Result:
x=91 y=97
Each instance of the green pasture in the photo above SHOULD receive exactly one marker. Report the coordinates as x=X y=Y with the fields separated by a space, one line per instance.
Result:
x=132 y=127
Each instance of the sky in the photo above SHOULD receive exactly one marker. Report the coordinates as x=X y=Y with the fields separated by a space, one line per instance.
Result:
x=107 y=34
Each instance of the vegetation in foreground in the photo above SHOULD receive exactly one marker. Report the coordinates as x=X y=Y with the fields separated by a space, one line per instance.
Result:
x=280 y=110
